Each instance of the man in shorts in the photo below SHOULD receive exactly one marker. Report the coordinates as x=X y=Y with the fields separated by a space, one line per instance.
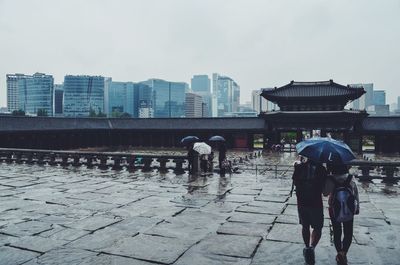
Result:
x=309 y=179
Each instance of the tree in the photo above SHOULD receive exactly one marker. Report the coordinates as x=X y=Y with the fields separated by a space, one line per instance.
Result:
x=101 y=114
x=19 y=112
x=42 y=112
x=92 y=113
x=125 y=115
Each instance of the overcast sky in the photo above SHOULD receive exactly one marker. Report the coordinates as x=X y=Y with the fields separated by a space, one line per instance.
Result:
x=259 y=43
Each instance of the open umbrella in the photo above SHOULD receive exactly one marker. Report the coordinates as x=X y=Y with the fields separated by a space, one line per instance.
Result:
x=202 y=148
x=217 y=138
x=325 y=150
x=189 y=140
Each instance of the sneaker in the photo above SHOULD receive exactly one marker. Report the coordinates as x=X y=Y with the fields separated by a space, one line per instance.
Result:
x=309 y=256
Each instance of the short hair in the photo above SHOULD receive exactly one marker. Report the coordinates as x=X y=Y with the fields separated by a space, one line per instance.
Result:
x=339 y=169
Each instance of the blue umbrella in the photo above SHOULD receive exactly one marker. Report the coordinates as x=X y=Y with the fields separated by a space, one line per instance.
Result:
x=189 y=140
x=217 y=138
x=325 y=150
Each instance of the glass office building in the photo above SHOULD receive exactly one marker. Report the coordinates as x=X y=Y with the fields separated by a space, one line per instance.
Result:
x=82 y=94
x=228 y=94
x=58 y=100
x=169 y=98
x=36 y=93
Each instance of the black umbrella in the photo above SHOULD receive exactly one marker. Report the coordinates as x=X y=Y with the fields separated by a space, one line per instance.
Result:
x=217 y=138
x=189 y=140
x=325 y=150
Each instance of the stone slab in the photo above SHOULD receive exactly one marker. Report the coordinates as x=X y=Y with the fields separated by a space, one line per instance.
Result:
x=252 y=218
x=150 y=248
x=229 y=245
x=14 y=256
x=245 y=229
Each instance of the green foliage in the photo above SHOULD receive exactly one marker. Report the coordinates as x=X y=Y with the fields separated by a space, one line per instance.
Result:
x=19 y=112
x=42 y=112
x=99 y=114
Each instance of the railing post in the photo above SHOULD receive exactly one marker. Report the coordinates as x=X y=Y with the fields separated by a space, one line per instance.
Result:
x=117 y=162
x=29 y=158
x=147 y=164
x=18 y=158
x=131 y=162
x=89 y=161
x=103 y=162
x=77 y=159
x=9 y=157
x=179 y=165
x=40 y=158
x=52 y=159
x=64 y=160
x=163 y=164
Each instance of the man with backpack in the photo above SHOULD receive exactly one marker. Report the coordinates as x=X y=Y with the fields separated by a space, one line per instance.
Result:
x=343 y=205
x=309 y=179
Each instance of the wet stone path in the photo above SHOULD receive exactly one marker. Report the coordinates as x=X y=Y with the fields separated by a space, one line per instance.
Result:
x=51 y=215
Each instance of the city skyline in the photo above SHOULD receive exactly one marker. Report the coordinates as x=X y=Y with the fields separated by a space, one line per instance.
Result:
x=251 y=43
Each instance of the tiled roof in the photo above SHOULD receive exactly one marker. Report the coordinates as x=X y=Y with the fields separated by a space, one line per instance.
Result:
x=313 y=89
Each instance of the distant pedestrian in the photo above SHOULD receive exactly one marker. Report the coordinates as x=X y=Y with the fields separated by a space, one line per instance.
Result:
x=190 y=156
x=309 y=179
x=211 y=162
x=344 y=203
x=204 y=163
x=221 y=157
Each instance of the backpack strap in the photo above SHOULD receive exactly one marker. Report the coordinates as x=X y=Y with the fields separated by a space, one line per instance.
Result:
x=348 y=180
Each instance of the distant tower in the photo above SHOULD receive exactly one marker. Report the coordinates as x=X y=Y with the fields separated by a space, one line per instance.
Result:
x=193 y=105
x=201 y=85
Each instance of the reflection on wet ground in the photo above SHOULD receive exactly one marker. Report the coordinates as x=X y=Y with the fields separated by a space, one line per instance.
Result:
x=53 y=215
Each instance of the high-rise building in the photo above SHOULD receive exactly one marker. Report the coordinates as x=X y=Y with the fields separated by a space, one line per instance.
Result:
x=146 y=99
x=228 y=94
x=365 y=100
x=12 y=91
x=201 y=85
x=379 y=97
x=123 y=97
x=193 y=105
x=258 y=103
x=83 y=94
x=35 y=94
x=128 y=97
x=169 y=98
x=58 y=99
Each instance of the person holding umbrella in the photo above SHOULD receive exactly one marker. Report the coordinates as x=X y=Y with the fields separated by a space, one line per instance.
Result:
x=221 y=151
x=343 y=203
x=309 y=178
x=342 y=191
x=189 y=141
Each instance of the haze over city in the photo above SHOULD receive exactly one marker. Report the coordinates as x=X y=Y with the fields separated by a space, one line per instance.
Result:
x=258 y=43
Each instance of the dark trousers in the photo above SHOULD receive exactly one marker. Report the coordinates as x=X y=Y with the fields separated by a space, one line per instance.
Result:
x=347 y=229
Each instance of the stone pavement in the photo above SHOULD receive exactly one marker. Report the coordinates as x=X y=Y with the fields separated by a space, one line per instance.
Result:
x=51 y=215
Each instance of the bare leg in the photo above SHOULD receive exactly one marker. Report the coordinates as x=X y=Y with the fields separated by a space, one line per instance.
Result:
x=306 y=235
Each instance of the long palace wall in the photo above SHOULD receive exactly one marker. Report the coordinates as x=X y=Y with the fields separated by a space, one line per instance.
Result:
x=70 y=133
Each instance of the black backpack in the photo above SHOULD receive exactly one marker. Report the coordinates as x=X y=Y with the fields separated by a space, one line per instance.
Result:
x=306 y=182
x=343 y=201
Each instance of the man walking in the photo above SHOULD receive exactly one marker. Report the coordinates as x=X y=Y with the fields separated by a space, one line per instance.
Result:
x=309 y=179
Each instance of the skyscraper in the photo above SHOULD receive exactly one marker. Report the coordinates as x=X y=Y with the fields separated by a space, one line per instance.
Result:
x=122 y=98
x=201 y=85
x=379 y=97
x=258 y=103
x=228 y=94
x=58 y=100
x=193 y=105
x=30 y=93
x=82 y=94
x=169 y=98
x=12 y=91
x=146 y=98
